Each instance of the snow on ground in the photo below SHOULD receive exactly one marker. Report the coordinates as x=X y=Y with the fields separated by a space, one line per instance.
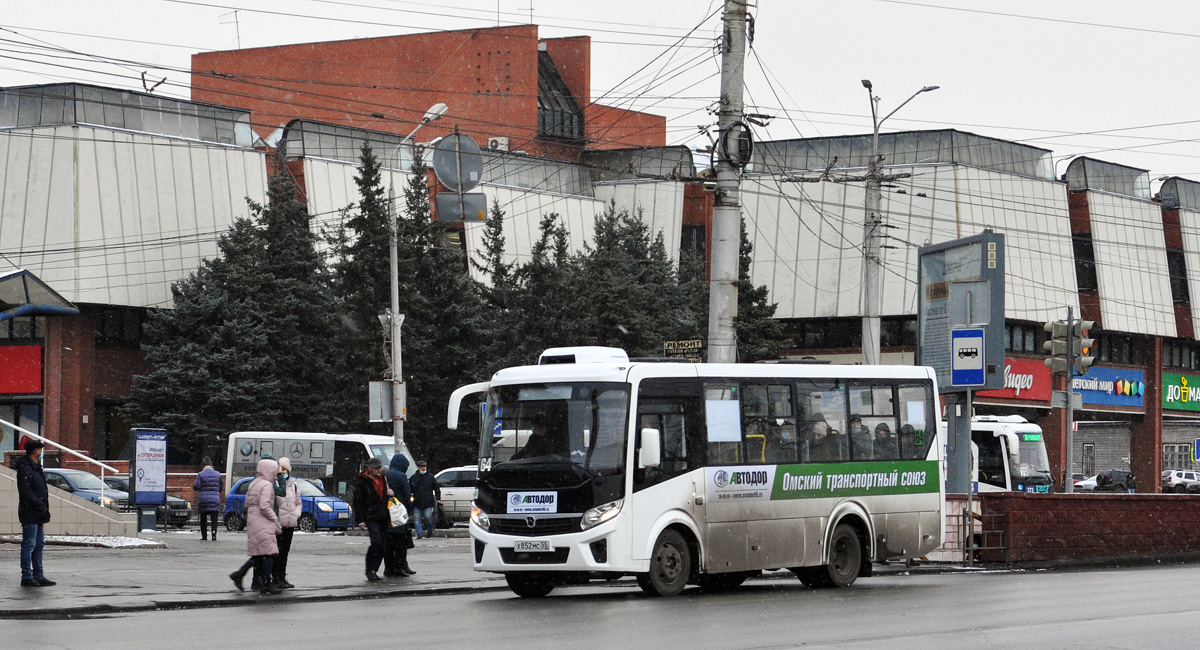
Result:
x=90 y=540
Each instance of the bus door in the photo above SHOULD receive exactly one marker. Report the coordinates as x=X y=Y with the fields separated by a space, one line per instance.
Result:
x=349 y=458
x=993 y=461
x=672 y=406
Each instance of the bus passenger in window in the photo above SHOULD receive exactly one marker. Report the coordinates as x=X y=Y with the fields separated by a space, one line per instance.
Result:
x=860 y=438
x=885 y=442
x=827 y=444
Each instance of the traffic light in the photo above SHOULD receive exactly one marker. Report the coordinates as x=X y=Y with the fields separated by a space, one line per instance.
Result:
x=1083 y=346
x=1057 y=347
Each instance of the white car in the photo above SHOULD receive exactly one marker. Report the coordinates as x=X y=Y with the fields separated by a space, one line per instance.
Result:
x=1086 y=485
x=1176 y=480
x=458 y=492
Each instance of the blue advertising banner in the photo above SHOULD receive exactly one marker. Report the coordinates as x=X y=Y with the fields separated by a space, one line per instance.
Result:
x=1111 y=387
x=149 y=467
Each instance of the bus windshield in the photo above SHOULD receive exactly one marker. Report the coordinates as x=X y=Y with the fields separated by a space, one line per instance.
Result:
x=581 y=423
x=1031 y=456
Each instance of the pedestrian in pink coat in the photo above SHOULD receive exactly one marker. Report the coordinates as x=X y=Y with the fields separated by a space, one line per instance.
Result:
x=289 y=507
x=262 y=525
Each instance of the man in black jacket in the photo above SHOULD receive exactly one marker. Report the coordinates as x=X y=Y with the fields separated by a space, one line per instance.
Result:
x=371 y=512
x=426 y=495
x=33 y=511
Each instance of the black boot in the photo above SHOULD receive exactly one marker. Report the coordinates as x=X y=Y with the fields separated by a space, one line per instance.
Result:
x=408 y=571
x=269 y=588
x=373 y=577
x=236 y=577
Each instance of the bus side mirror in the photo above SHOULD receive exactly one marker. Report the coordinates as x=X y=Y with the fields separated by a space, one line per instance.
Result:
x=651 y=451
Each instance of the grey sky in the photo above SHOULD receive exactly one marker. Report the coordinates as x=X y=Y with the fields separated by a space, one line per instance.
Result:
x=1105 y=78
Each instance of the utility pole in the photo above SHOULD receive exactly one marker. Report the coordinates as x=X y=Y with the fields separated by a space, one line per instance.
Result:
x=395 y=320
x=873 y=225
x=727 y=212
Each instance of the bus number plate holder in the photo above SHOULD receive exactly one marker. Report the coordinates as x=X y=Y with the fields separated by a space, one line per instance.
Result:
x=532 y=546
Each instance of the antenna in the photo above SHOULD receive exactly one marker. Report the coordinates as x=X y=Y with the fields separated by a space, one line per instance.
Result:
x=236 y=26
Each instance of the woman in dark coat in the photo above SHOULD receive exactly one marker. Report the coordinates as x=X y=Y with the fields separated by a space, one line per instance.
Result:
x=395 y=558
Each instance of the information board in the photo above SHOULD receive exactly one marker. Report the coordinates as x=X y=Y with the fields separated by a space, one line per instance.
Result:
x=149 y=467
x=961 y=286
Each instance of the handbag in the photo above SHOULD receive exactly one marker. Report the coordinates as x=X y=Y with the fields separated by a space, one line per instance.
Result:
x=397 y=512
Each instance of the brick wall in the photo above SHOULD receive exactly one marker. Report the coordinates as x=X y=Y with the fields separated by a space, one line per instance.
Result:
x=1049 y=527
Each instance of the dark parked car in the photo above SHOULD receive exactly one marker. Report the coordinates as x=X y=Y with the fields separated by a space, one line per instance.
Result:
x=317 y=508
x=176 y=513
x=1115 y=480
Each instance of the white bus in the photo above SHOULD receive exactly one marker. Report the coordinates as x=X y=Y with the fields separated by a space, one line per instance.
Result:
x=592 y=466
x=1010 y=455
x=332 y=458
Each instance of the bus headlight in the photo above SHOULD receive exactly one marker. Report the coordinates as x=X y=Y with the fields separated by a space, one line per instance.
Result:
x=480 y=518
x=324 y=507
x=600 y=514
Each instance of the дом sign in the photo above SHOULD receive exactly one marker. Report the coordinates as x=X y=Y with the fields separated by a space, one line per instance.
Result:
x=1023 y=379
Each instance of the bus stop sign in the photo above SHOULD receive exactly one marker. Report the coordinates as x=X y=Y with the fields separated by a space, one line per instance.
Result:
x=966 y=357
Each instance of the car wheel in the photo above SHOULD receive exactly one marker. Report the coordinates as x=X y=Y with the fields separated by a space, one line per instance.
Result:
x=670 y=566
x=234 y=522
x=307 y=524
x=529 y=585
x=1181 y=488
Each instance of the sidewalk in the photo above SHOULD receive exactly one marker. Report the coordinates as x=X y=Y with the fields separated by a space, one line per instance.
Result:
x=184 y=572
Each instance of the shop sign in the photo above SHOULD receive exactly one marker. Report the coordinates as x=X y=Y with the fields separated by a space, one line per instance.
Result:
x=1111 y=387
x=1180 y=392
x=1023 y=379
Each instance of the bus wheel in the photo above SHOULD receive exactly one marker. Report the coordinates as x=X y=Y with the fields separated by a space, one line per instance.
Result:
x=845 y=557
x=715 y=583
x=670 y=566
x=529 y=585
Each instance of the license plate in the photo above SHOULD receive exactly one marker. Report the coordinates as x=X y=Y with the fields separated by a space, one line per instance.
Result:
x=532 y=546
x=343 y=515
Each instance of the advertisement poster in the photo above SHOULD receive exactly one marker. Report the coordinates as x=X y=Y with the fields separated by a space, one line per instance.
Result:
x=149 y=467
x=1111 y=386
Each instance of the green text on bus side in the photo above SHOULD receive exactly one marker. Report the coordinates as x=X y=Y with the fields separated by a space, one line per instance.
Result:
x=854 y=479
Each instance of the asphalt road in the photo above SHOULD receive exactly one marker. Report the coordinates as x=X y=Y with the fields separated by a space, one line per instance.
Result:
x=1144 y=607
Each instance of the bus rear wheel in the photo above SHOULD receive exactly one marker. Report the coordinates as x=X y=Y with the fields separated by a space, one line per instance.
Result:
x=670 y=566
x=845 y=561
x=529 y=585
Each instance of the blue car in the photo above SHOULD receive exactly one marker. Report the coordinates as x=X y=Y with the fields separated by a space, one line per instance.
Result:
x=317 y=508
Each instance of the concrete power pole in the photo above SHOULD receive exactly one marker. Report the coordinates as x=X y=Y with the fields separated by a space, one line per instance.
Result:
x=727 y=213
x=395 y=321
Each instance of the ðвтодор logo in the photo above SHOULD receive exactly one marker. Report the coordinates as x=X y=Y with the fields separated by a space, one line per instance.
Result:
x=532 y=502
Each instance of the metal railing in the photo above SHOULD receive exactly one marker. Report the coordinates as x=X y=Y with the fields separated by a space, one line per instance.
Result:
x=51 y=443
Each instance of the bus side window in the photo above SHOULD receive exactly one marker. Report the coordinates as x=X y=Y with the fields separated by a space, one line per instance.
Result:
x=671 y=420
x=916 y=423
x=822 y=435
x=991 y=460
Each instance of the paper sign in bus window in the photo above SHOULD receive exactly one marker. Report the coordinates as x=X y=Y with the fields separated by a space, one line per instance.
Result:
x=724 y=422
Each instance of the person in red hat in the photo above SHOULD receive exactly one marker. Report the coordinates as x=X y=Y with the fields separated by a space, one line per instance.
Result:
x=33 y=511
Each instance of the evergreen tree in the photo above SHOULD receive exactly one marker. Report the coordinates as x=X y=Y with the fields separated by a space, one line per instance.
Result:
x=360 y=267
x=243 y=346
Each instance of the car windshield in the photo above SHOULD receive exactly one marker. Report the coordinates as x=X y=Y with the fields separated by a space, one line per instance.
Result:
x=580 y=423
x=85 y=481
x=308 y=489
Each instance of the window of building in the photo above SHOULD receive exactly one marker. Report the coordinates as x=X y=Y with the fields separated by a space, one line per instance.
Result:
x=1177 y=456
x=1085 y=261
x=1023 y=337
x=898 y=332
x=824 y=333
x=23 y=329
x=1177 y=269
x=1089 y=458
x=1114 y=347
x=1181 y=353
x=118 y=327
x=25 y=415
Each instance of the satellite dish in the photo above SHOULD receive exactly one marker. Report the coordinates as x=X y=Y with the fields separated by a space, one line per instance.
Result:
x=458 y=162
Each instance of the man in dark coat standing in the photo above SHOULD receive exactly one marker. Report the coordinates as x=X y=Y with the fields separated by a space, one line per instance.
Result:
x=426 y=495
x=371 y=512
x=33 y=511
x=208 y=488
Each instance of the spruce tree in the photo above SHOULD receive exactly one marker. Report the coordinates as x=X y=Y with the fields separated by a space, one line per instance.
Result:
x=243 y=347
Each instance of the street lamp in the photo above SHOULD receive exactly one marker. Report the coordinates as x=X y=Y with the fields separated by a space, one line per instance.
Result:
x=872 y=226
x=395 y=318
x=434 y=113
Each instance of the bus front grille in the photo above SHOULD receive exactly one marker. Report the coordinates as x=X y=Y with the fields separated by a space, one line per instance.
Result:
x=521 y=526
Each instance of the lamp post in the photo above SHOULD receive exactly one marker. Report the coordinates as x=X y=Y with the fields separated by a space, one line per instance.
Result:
x=872 y=225
x=394 y=317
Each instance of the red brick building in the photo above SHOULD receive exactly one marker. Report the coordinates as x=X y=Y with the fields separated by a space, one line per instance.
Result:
x=502 y=82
